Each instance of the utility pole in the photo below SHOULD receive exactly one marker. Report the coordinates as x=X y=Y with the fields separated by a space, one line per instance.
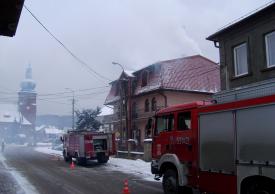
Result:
x=73 y=107
x=73 y=102
x=123 y=101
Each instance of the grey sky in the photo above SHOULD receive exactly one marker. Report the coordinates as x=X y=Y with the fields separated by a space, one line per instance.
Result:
x=134 y=33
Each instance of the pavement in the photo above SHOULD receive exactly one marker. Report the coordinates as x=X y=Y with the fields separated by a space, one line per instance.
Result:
x=49 y=175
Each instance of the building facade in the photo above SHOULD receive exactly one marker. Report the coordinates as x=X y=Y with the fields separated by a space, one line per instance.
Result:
x=12 y=124
x=247 y=49
x=17 y=120
x=27 y=98
x=136 y=96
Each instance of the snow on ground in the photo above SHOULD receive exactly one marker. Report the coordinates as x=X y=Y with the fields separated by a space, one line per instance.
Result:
x=136 y=167
x=27 y=187
x=43 y=144
x=48 y=150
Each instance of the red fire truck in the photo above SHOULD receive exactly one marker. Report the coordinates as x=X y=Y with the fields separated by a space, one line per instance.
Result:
x=87 y=145
x=224 y=148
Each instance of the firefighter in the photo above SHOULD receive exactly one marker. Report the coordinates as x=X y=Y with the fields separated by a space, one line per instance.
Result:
x=2 y=146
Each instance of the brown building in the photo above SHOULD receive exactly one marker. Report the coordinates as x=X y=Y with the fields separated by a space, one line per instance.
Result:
x=137 y=96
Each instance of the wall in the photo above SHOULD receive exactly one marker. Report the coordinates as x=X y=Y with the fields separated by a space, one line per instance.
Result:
x=173 y=98
x=253 y=33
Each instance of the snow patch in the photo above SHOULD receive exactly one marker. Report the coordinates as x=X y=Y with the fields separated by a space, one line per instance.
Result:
x=137 y=167
x=48 y=150
x=106 y=111
x=44 y=144
x=148 y=140
x=53 y=130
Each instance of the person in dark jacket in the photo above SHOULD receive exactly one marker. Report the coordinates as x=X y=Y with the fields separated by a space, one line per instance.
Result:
x=3 y=146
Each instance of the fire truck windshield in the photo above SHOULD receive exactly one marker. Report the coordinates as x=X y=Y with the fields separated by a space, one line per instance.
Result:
x=164 y=123
x=184 y=121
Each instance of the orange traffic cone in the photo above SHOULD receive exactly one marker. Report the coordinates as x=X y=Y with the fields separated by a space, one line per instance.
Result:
x=126 y=189
x=72 y=165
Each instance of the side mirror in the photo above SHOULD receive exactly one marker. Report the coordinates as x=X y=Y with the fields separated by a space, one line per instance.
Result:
x=61 y=139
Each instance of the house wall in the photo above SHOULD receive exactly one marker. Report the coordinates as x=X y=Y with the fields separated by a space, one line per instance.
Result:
x=253 y=33
x=173 y=98
x=140 y=101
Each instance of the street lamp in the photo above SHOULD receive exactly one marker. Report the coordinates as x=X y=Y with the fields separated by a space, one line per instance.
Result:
x=73 y=103
x=115 y=63
x=123 y=102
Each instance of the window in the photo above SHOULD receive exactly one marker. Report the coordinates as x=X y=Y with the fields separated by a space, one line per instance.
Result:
x=123 y=110
x=184 y=121
x=240 y=60
x=134 y=110
x=116 y=89
x=144 y=78
x=148 y=127
x=146 y=106
x=270 y=49
x=164 y=123
x=134 y=85
x=154 y=104
x=134 y=107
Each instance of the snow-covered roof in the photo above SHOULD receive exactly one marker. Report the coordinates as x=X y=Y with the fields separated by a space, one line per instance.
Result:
x=53 y=130
x=40 y=127
x=106 y=111
x=9 y=114
x=129 y=73
x=21 y=135
x=195 y=74
x=242 y=20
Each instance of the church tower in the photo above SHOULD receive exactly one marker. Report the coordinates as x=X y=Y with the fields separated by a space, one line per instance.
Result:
x=27 y=98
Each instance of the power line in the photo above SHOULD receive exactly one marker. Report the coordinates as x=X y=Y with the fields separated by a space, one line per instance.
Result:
x=83 y=63
x=81 y=90
x=63 y=103
x=58 y=97
x=57 y=94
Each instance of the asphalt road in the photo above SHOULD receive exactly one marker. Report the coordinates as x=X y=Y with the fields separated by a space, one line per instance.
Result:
x=51 y=176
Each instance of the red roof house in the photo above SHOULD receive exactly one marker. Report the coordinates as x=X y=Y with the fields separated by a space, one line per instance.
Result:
x=137 y=95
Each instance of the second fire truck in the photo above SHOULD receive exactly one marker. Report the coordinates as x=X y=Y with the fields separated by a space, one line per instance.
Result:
x=88 y=145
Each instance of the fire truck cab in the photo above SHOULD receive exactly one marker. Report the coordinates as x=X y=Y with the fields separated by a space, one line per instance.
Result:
x=88 y=145
x=219 y=149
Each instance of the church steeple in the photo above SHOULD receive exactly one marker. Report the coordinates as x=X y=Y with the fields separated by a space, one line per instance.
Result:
x=28 y=84
x=27 y=97
x=28 y=74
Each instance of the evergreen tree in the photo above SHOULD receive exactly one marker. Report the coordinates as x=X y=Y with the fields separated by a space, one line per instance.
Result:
x=86 y=119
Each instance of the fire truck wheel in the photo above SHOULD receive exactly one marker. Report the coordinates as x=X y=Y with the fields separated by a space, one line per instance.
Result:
x=170 y=182
x=259 y=188
x=102 y=159
x=66 y=158
x=81 y=161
